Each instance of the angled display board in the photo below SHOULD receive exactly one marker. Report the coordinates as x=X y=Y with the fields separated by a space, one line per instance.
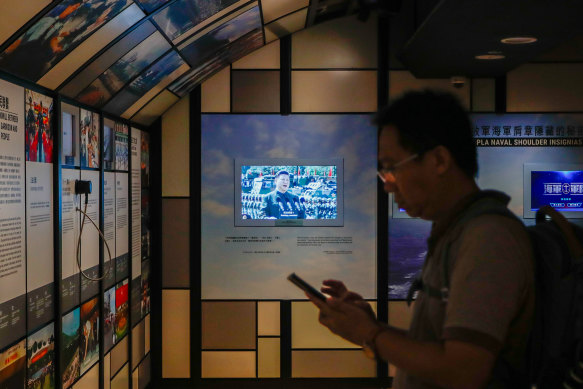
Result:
x=58 y=32
x=209 y=50
x=183 y=16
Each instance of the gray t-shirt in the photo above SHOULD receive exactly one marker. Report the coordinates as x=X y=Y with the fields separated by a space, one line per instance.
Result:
x=491 y=301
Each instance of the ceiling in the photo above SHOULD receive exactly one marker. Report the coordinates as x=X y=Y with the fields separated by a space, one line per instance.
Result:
x=119 y=55
x=454 y=32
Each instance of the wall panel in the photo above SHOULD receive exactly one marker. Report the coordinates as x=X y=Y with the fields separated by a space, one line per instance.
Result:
x=341 y=43
x=334 y=91
x=216 y=92
x=255 y=91
x=332 y=363
x=175 y=152
x=228 y=364
x=175 y=334
x=175 y=243
x=545 y=88
x=228 y=325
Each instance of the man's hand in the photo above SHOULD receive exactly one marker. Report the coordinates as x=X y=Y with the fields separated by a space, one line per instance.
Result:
x=338 y=290
x=346 y=313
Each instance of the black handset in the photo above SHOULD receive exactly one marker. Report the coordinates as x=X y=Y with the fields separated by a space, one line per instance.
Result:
x=305 y=286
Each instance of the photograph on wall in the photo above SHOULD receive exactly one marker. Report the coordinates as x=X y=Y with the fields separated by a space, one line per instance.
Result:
x=184 y=15
x=40 y=353
x=70 y=347
x=279 y=192
x=13 y=366
x=108 y=145
x=199 y=47
x=69 y=135
x=257 y=260
x=89 y=128
x=145 y=295
x=39 y=130
x=109 y=319
x=156 y=73
x=54 y=35
x=214 y=63
x=130 y=65
x=507 y=145
x=40 y=263
x=121 y=146
x=12 y=215
x=89 y=335
x=121 y=309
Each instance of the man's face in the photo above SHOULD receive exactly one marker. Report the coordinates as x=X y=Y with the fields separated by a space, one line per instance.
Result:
x=282 y=183
x=411 y=182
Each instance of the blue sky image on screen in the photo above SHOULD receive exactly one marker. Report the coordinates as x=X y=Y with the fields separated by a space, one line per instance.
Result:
x=258 y=270
x=562 y=190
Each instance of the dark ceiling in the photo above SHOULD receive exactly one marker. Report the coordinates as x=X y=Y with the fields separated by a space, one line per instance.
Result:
x=455 y=31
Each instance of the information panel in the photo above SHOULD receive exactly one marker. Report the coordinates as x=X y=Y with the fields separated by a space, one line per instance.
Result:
x=39 y=243
x=90 y=237
x=12 y=220
x=69 y=239
x=136 y=206
x=39 y=208
x=109 y=228
x=121 y=226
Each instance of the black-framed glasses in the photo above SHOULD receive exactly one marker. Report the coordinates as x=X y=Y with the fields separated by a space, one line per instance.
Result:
x=384 y=171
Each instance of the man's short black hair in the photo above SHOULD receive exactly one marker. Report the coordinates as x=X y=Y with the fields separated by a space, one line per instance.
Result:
x=426 y=119
x=279 y=173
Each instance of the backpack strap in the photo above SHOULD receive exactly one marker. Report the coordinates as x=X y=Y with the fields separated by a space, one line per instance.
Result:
x=575 y=247
x=443 y=292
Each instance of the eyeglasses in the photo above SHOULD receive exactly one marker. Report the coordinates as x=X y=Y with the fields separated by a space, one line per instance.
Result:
x=382 y=172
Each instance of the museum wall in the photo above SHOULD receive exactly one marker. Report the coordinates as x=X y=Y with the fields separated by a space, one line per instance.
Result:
x=243 y=289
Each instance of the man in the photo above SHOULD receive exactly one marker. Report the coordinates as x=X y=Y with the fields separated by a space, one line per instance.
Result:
x=281 y=204
x=476 y=334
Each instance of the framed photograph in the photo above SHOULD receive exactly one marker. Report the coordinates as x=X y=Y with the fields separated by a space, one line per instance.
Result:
x=56 y=34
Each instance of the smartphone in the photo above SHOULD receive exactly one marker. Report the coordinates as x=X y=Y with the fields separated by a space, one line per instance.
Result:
x=303 y=285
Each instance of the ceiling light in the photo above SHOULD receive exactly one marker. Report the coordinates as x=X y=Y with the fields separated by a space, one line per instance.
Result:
x=490 y=56
x=519 y=40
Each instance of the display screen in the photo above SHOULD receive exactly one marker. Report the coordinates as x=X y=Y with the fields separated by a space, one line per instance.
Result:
x=561 y=189
x=289 y=192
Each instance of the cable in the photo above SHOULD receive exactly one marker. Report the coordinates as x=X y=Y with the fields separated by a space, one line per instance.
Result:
x=77 y=252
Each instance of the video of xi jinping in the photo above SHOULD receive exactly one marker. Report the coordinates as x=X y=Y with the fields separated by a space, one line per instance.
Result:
x=289 y=192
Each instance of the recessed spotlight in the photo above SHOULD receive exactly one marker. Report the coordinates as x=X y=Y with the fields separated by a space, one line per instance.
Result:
x=490 y=56
x=519 y=40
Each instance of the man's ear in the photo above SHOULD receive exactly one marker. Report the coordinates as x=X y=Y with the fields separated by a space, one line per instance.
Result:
x=442 y=159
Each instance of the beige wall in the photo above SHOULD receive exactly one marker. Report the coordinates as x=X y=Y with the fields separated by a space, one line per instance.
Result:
x=331 y=63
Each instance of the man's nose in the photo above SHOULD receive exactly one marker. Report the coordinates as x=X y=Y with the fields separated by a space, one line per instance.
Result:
x=389 y=183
